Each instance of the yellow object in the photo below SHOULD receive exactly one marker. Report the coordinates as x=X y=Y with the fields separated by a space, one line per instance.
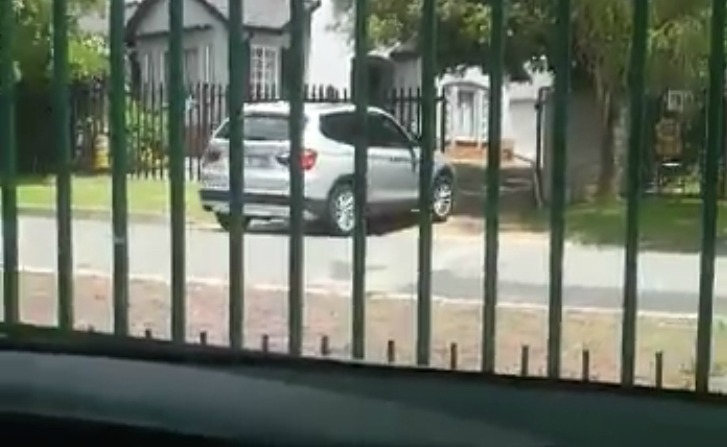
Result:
x=668 y=138
x=101 y=160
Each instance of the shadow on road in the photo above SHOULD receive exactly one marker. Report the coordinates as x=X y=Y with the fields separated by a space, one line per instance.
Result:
x=376 y=227
x=517 y=199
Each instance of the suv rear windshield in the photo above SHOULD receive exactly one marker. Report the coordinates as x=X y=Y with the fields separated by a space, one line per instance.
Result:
x=260 y=127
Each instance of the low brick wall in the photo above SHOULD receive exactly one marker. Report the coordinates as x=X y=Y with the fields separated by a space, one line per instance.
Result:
x=468 y=151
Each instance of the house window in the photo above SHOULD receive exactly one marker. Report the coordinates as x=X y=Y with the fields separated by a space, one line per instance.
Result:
x=147 y=69
x=191 y=66
x=208 y=67
x=264 y=70
x=163 y=67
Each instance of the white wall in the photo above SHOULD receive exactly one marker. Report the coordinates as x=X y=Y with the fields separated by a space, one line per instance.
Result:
x=523 y=99
x=331 y=52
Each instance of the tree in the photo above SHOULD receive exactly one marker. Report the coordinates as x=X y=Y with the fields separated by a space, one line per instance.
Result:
x=32 y=53
x=678 y=45
x=33 y=40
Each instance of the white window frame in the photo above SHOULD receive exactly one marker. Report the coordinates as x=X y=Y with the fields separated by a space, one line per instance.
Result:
x=148 y=74
x=163 y=67
x=266 y=81
x=191 y=73
x=207 y=75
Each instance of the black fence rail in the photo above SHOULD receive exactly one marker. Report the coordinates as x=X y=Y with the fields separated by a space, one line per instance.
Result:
x=206 y=109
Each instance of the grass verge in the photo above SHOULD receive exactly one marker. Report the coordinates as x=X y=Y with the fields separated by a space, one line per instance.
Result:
x=93 y=193
x=390 y=320
x=667 y=224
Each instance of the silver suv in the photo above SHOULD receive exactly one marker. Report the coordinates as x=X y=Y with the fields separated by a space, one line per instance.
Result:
x=328 y=165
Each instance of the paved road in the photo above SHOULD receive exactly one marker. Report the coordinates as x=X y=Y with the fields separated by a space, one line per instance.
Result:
x=593 y=277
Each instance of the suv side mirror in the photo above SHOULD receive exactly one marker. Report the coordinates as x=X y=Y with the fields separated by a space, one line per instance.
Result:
x=414 y=135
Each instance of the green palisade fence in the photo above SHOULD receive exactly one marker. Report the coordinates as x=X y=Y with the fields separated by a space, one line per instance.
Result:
x=155 y=123
x=206 y=107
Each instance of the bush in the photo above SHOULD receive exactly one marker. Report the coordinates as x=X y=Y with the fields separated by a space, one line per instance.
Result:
x=146 y=137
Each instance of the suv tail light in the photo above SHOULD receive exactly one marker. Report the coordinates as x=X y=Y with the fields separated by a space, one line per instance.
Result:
x=307 y=159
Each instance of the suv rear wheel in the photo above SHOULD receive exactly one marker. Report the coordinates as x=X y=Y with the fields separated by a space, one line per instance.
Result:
x=442 y=198
x=225 y=221
x=341 y=218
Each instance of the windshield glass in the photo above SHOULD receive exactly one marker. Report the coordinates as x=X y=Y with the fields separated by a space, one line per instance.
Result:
x=260 y=127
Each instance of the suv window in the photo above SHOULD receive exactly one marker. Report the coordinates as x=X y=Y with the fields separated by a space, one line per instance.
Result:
x=384 y=132
x=260 y=127
x=340 y=127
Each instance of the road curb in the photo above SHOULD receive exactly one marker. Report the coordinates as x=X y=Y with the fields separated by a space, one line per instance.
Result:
x=343 y=291
x=154 y=218
x=100 y=215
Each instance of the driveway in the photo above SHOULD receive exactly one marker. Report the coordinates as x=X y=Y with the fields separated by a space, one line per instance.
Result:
x=593 y=276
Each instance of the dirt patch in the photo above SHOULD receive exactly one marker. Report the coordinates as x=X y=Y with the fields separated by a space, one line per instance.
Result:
x=388 y=320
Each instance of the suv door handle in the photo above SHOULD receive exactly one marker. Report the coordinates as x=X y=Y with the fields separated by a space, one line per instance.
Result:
x=398 y=159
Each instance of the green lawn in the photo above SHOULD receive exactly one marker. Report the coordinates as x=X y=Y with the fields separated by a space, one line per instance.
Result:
x=666 y=223
x=146 y=197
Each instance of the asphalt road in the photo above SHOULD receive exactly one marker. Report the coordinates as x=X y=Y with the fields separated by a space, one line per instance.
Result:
x=592 y=278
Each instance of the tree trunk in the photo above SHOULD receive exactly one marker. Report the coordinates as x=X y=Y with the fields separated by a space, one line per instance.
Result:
x=610 y=109
x=607 y=180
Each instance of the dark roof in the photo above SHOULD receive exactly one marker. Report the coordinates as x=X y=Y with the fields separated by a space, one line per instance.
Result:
x=262 y=14
x=405 y=50
x=259 y=13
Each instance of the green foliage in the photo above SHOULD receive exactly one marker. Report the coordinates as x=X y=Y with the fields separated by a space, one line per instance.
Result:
x=88 y=56
x=146 y=136
x=678 y=36
x=33 y=40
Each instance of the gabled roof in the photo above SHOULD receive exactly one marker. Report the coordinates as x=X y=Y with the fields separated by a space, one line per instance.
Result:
x=261 y=14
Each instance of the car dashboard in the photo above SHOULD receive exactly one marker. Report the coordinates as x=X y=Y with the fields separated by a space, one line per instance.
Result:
x=47 y=395
x=38 y=430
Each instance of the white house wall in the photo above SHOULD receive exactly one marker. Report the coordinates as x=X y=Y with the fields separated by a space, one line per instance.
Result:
x=156 y=19
x=523 y=101
x=202 y=29
x=331 y=50
x=407 y=73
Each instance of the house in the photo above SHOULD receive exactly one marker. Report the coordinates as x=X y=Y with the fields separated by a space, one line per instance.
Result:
x=205 y=40
x=466 y=95
x=462 y=120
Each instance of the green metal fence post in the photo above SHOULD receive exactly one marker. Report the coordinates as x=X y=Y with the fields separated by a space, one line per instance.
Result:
x=558 y=187
x=177 y=102
x=63 y=180
x=428 y=133
x=492 y=205
x=8 y=156
x=637 y=87
x=360 y=182
x=235 y=105
x=117 y=119
x=296 y=91
x=715 y=134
